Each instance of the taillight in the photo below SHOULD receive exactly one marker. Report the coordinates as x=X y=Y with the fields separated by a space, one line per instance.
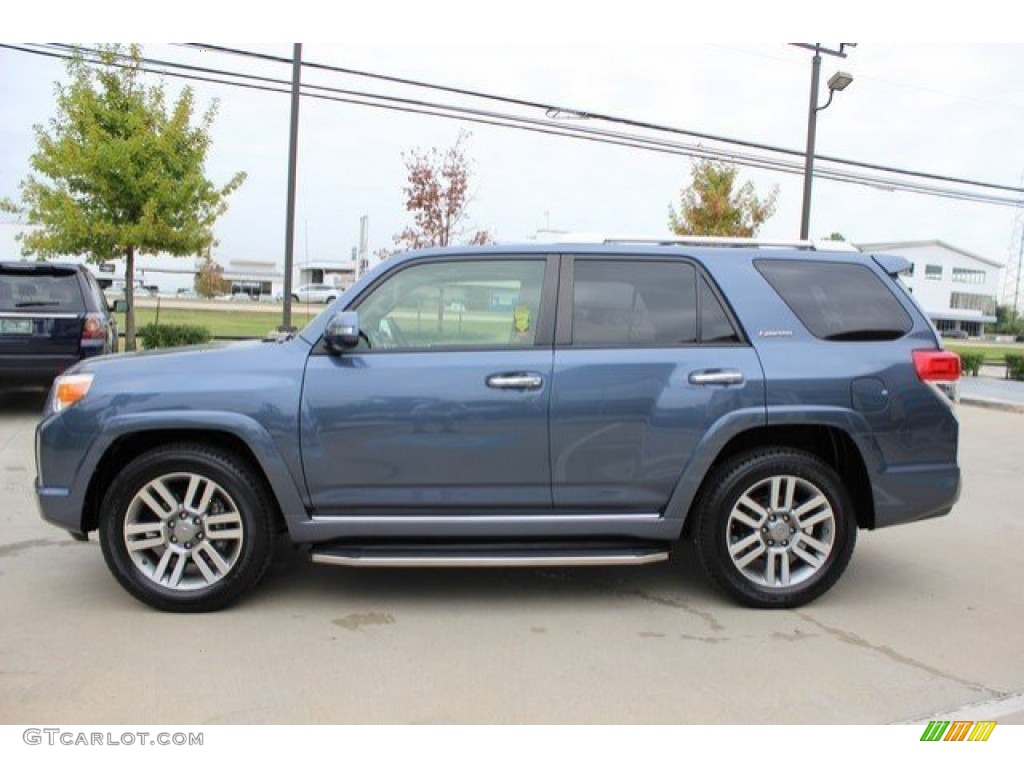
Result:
x=94 y=327
x=936 y=365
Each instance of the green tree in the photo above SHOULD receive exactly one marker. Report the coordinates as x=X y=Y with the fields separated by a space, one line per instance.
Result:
x=437 y=195
x=837 y=237
x=712 y=205
x=1007 y=321
x=118 y=173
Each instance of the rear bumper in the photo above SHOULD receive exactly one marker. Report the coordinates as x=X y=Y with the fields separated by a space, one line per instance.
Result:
x=910 y=493
x=34 y=368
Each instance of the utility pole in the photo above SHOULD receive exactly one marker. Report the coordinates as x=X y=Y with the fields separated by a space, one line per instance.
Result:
x=293 y=151
x=364 y=236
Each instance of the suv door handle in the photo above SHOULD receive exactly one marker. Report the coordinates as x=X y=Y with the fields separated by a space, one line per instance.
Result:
x=515 y=381
x=716 y=377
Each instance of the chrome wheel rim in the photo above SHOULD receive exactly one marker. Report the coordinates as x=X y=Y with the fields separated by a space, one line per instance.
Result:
x=780 y=532
x=183 y=531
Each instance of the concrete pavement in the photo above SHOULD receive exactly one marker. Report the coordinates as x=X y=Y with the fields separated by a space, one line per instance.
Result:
x=927 y=620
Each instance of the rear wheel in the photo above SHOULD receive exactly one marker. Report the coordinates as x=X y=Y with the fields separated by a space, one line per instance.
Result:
x=776 y=528
x=187 y=528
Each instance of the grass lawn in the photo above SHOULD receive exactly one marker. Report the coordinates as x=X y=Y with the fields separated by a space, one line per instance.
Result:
x=994 y=353
x=223 y=323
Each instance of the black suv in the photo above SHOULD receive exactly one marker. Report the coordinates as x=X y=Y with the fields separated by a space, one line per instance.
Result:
x=51 y=317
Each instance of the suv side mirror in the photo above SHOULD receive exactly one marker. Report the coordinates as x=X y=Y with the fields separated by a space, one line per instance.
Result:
x=342 y=332
x=120 y=305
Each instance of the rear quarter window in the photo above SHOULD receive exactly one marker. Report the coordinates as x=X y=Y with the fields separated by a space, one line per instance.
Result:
x=837 y=302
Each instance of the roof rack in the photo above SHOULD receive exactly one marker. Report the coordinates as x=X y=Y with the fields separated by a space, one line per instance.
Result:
x=697 y=240
x=737 y=242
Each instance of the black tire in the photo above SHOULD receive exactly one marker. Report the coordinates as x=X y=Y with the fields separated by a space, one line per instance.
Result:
x=187 y=528
x=754 y=541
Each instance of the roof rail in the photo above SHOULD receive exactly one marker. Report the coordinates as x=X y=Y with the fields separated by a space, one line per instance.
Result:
x=737 y=242
x=701 y=240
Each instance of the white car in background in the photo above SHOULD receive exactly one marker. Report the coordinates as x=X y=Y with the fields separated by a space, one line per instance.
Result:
x=316 y=293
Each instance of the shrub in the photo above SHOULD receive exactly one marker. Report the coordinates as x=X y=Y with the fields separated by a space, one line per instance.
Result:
x=154 y=336
x=1015 y=367
x=971 y=362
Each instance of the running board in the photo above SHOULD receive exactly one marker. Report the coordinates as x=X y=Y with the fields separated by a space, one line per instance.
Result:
x=530 y=555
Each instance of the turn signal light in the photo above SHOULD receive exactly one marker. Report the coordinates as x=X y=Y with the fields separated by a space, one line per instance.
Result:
x=936 y=365
x=68 y=390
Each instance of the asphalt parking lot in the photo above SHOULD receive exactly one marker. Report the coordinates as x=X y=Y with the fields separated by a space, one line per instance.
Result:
x=927 y=621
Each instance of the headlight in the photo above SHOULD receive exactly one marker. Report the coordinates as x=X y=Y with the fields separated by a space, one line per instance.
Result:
x=68 y=390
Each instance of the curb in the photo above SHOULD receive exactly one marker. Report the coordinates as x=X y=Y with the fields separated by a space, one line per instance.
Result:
x=995 y=405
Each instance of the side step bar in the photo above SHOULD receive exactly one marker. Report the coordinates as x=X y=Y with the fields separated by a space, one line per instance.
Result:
x=529 y=555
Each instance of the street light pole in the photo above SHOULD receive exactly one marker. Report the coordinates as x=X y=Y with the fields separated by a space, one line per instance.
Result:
x=836 y=83
x=812 y=130
x=293 y=148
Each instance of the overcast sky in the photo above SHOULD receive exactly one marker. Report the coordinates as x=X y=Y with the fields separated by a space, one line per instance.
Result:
x=947 y=109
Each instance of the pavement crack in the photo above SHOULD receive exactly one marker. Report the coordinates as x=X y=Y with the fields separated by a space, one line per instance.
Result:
x=616 y=589
x=14 y=435
x=892 y=654
x=20 y=546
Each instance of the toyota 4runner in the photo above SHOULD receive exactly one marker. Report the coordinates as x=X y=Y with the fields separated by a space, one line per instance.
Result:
x=540 y=405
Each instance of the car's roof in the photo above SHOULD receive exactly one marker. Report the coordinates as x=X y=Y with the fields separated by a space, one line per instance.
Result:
x=702 y=248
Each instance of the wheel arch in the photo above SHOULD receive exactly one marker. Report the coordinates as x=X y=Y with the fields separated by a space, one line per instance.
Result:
x=835 y=446
x=132 y=444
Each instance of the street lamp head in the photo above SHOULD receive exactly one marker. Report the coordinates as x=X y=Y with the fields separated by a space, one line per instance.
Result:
x=839 y=81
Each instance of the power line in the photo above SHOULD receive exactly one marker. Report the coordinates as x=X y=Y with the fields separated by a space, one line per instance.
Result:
x=518 y=122
x=602 y=117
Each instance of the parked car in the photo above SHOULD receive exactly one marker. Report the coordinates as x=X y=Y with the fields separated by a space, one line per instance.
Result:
x=51 y=317
x=955 y=333
x=315 y=293
x=591 y=405
x=116 y=290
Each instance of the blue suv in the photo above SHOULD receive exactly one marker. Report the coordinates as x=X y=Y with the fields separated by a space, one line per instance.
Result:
x=570 y=404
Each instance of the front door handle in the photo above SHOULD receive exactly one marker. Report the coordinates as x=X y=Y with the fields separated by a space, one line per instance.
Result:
x=716 y=377
x=526 y=380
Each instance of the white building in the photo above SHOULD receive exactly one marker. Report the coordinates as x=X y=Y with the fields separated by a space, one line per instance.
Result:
x=956 y=289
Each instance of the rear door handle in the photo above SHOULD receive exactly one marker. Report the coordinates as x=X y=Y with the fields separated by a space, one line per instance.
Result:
x=716 y=377
x=526 y=380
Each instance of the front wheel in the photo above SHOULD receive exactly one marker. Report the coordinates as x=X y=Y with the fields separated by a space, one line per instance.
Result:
x=776 y=528
x=187 y=528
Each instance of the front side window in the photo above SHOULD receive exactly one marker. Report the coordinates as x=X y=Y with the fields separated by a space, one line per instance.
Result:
x=633 y=303
x=457 y=304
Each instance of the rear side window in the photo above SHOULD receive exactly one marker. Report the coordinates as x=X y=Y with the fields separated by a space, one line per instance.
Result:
x=838 y=302
x=633 y=303
x=26 y=290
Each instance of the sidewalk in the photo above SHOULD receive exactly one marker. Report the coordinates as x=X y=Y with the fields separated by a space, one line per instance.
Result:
x=992 y=392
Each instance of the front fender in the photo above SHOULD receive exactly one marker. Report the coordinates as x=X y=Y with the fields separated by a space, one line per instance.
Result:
x=65 y=488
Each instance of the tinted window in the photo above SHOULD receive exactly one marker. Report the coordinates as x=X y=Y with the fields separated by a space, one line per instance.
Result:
x=33 y=290
x=715 y=327
x=838 y=302
x=455 y=304
x=620 y=303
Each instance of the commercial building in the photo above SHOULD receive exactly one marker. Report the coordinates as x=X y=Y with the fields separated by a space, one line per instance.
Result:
x=957 y=289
